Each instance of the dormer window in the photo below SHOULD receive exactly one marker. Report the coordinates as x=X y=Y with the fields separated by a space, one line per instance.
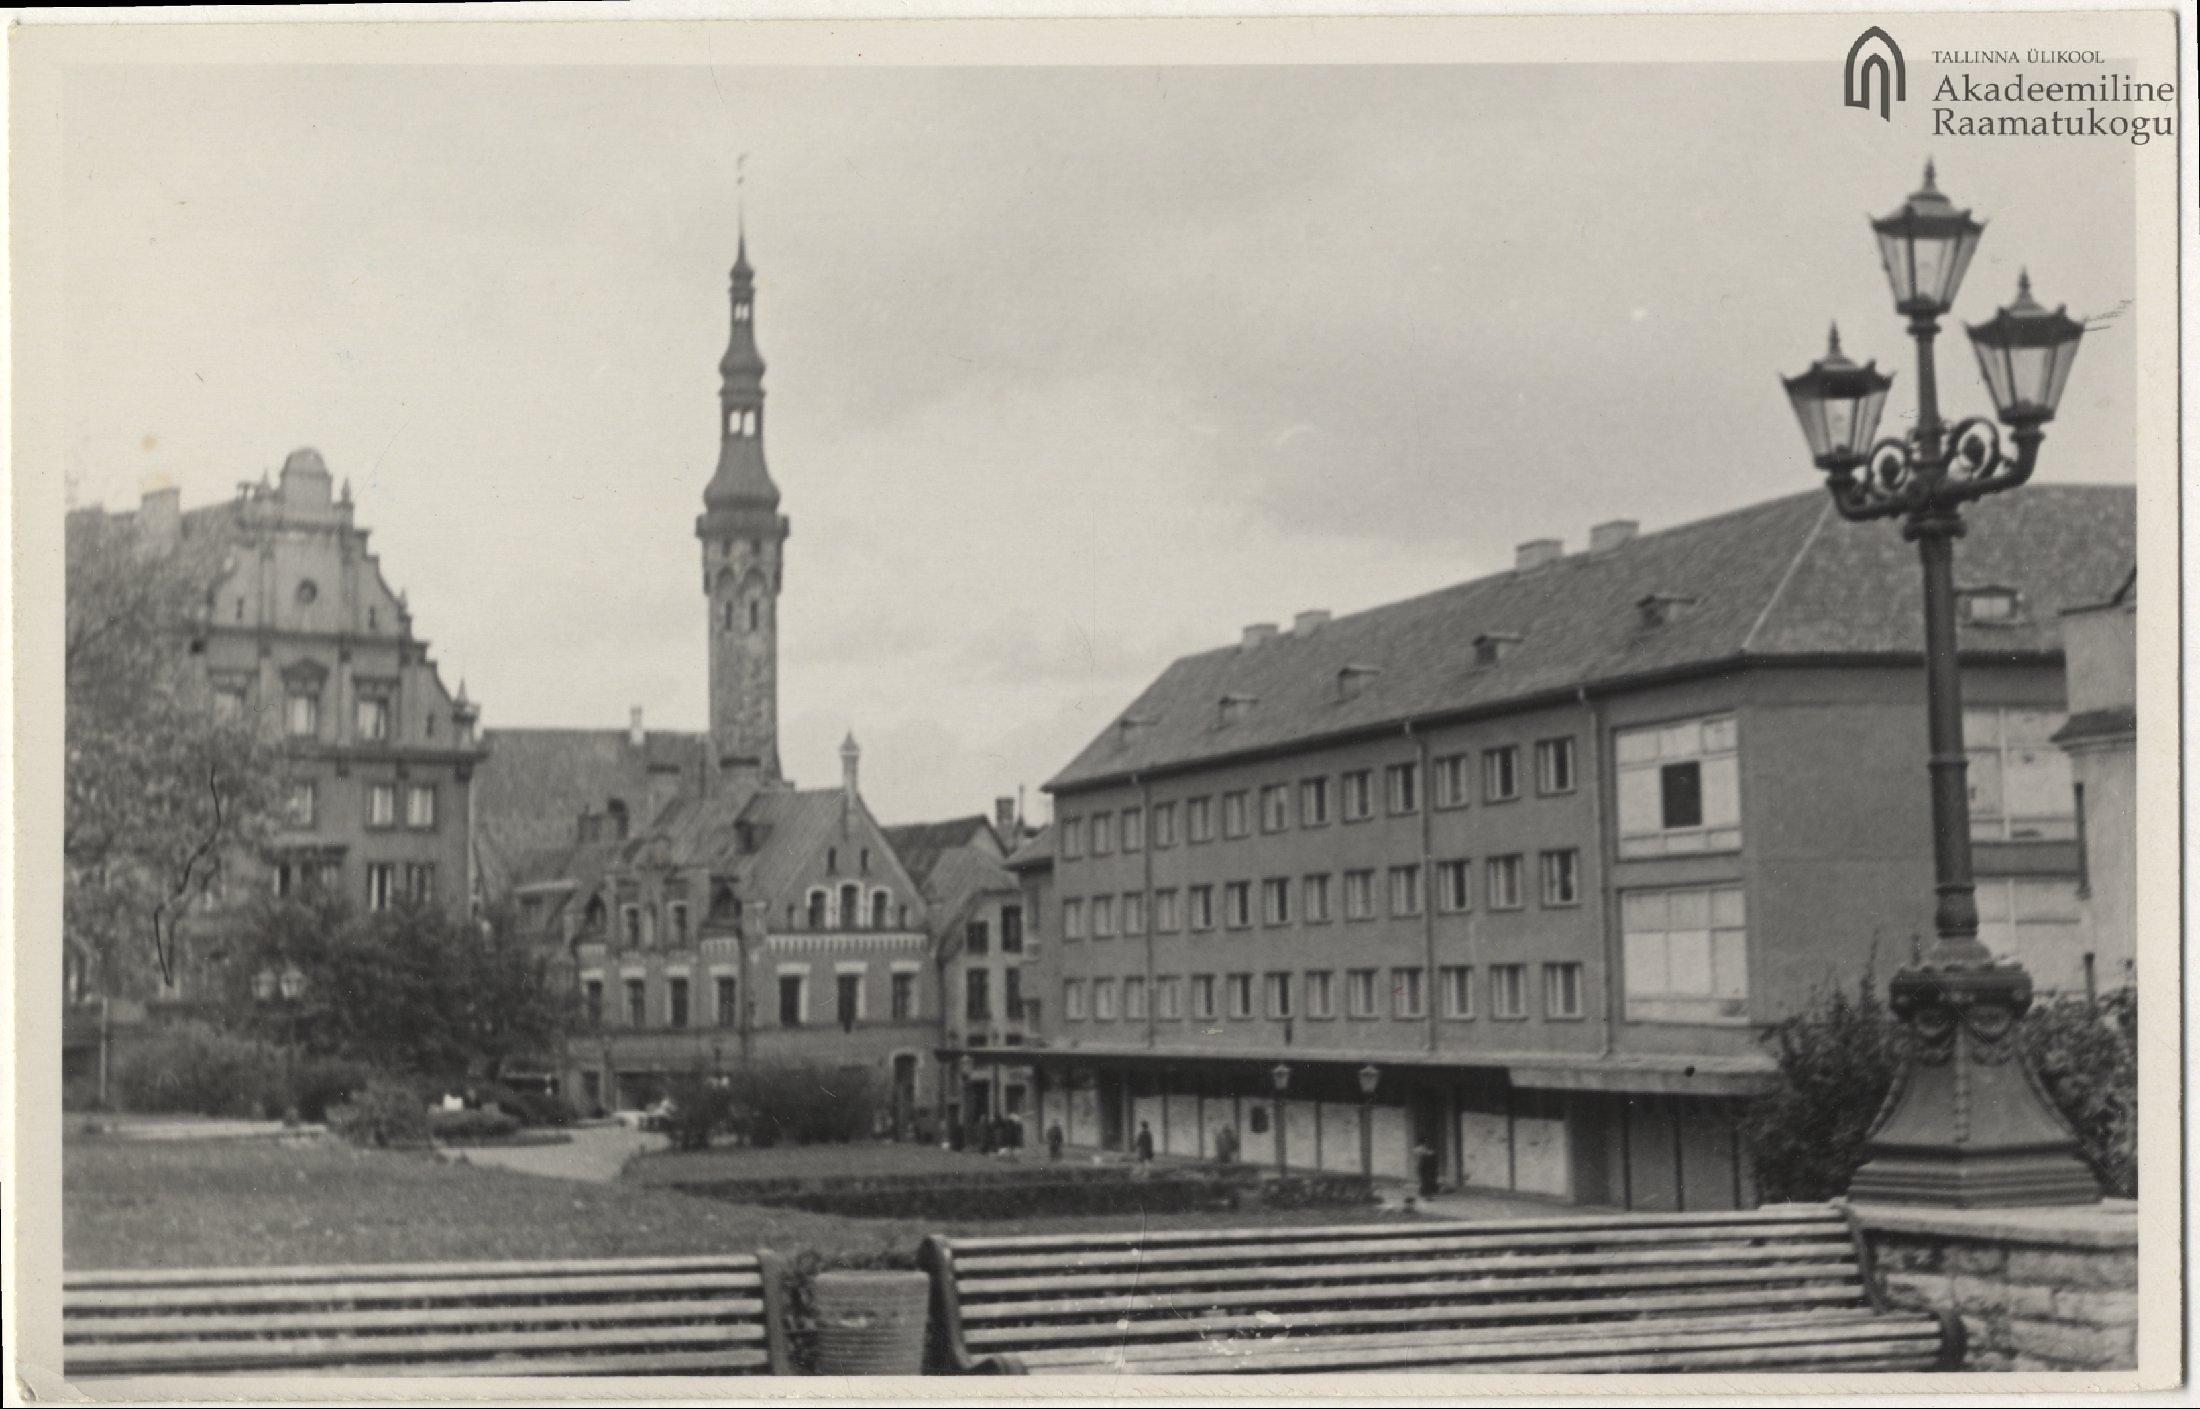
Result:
x=1990 y=606
x=1353 y=679
x=1493 y=647
x=1233 y=708
x=1128 y=726
x=1661 y=607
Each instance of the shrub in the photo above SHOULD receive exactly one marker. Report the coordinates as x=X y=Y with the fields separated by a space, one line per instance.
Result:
x=387 y=1113
x=2087 y=1059
x=701 y=1107
x=80 y=1093
x=1317 y=1191
x=805 y=1105
x=191 y=1069
x=471 y=1127
x=527 y=1107
x=320 y=1083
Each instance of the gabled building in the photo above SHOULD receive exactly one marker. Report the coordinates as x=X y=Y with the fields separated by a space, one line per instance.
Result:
x=2101 y=737
x=1542 y=853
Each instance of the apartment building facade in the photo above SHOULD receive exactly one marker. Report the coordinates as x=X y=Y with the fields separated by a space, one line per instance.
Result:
x=1542 y=854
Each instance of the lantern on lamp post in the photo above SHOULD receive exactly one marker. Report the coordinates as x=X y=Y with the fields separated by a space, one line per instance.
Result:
x=1966 y=1124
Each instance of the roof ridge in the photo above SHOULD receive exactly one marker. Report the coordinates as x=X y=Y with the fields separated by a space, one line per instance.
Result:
x=1802 y=551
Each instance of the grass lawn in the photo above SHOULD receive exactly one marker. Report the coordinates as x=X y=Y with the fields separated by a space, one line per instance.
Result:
x=814 y=1161
x=233 y=1203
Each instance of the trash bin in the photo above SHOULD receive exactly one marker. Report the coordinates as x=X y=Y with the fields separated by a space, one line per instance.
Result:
x=871 y=1323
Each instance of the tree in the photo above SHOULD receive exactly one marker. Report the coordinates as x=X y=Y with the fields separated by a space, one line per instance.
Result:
x=1833 y=1064
x=162 y=791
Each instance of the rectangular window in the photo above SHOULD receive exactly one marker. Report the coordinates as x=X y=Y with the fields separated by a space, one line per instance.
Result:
x=1166 y=919
x=1453 y=787
x=373 y=718
x=729 y=1001
x=1317 y=899
x=1508 y=990
x=1134 y=829
x=977 y=995
x=302 y=717
x=1164 y=824
x=1562 y=990
x=2019 y=778
x=1500 y=774
x=1679 y=788
x=1359 y=895
x=1012 y=929
x=1457 y=982
x=1073 y=838
x=977 y=937
x=847 y=1000
x=1203 y=907
x=1321 y=998
x=420 y=881
x=381 y=885
x=1504 y=882
x=632 y=915
x=1240 y=989
x=1073 y=999
x=1103 y=834
x=1314 y=802
x=1134 y=998
x=793 y=996
x=637 y=1003
x=1234 y=822
x=1103 y=1000
x=1134 y=913
x=1454 y=887
x=1405 y=890
x=1275 y=807
x=2036 y=920
x=1554 y=766
x=1073 y=919
x=1237 y=904
x=1359 y=987
x=1203 y=995
x=229 y=703
x=1407 y=996
x=679 y=912
x=420 y=807
x=300 y=804
x=1199 y=819
x=1562 y=877
x=1012 y=994
x=1402 y=781
x=382 y=805
x=1359 y=796
x=1276 y=992
x=1168 y=998
x=592 y=1002
x=1103 y=917
x=1686 y=952
x=676 y=994
x=1275 y=901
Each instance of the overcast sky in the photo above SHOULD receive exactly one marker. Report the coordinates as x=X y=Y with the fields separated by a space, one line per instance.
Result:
x=1071 y=371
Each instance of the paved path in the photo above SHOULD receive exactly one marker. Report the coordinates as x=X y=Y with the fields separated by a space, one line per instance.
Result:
x=596 y=1154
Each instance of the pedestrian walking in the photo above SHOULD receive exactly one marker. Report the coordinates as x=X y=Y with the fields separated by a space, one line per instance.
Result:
x=1145 y=1143
x=1054 y=1140
x=1424 y=1163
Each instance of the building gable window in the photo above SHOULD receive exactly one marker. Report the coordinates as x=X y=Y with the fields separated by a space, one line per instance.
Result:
x=420 y=807
x=302 y=713
x=1501 y=774
x=637 y=1003
x=1275 y=807
x=1360 y=992
x=1554 y=766
x=374 y=718
x=2020 y=781
x=1454 y=887
x=1503 y=875
x=1134 y=829
x=1314 y=802
x=1012 y=929
x=382 y=805
x=1321 y=999
x=1457 y=984
x=1164 y=825
x=299 y=804
x=1403 y=781
x=1315 y=892
x=729 y=1001
x=1359 y=796
x=1687 y=954
x=1509 y=991
x=1199 y=819
x=1234 y=823
x=1679 y=788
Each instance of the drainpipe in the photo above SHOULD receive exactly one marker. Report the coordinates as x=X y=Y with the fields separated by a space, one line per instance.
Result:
x=1145 y=852
x=1607 y=897
x=1428 y=888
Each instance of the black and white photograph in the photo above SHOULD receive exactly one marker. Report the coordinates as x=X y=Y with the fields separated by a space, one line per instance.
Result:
x=721 y=708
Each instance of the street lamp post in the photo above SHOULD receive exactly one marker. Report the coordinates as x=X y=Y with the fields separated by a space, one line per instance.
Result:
x=283 y=991
x=1279 y=1076
x=1369 y=1077
x=1966 y=1123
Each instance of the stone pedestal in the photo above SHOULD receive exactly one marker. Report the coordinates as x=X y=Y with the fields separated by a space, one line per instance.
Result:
x=2037 y=1288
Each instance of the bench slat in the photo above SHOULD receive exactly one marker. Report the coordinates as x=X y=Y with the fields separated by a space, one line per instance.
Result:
x=1888 y=1355
x=977 y=1287
x=427 y=1290
x=85 y=1329
x=1142 y=1304
x=700 y=1363
x=1466 y=1239
x=1428 y=1352
x=122 y=1277
x=1179 y=1328
x=1771 y=1213
x=359 y=1350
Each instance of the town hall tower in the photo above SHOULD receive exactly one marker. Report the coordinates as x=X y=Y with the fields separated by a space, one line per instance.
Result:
x=744 y=535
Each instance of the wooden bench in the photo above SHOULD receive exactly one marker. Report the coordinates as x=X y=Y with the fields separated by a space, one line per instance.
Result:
x=1780 y=1288
x=626 y=1316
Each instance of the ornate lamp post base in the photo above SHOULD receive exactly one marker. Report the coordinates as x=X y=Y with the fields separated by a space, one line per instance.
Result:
x=1967 y=1125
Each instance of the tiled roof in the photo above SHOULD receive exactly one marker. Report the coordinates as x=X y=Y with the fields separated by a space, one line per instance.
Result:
x=1037 y=850
x=920 y=845
x=531 y=790
x=964 y=877
x=1784 y=579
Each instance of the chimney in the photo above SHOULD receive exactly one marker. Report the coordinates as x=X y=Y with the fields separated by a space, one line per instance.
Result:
x=160 y=516
x=635 y=734
x=1607 y=536
x=1257 y=633
x=1004 y=818
x=1536 y=552
x=851 y=755
x=1307 y=623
